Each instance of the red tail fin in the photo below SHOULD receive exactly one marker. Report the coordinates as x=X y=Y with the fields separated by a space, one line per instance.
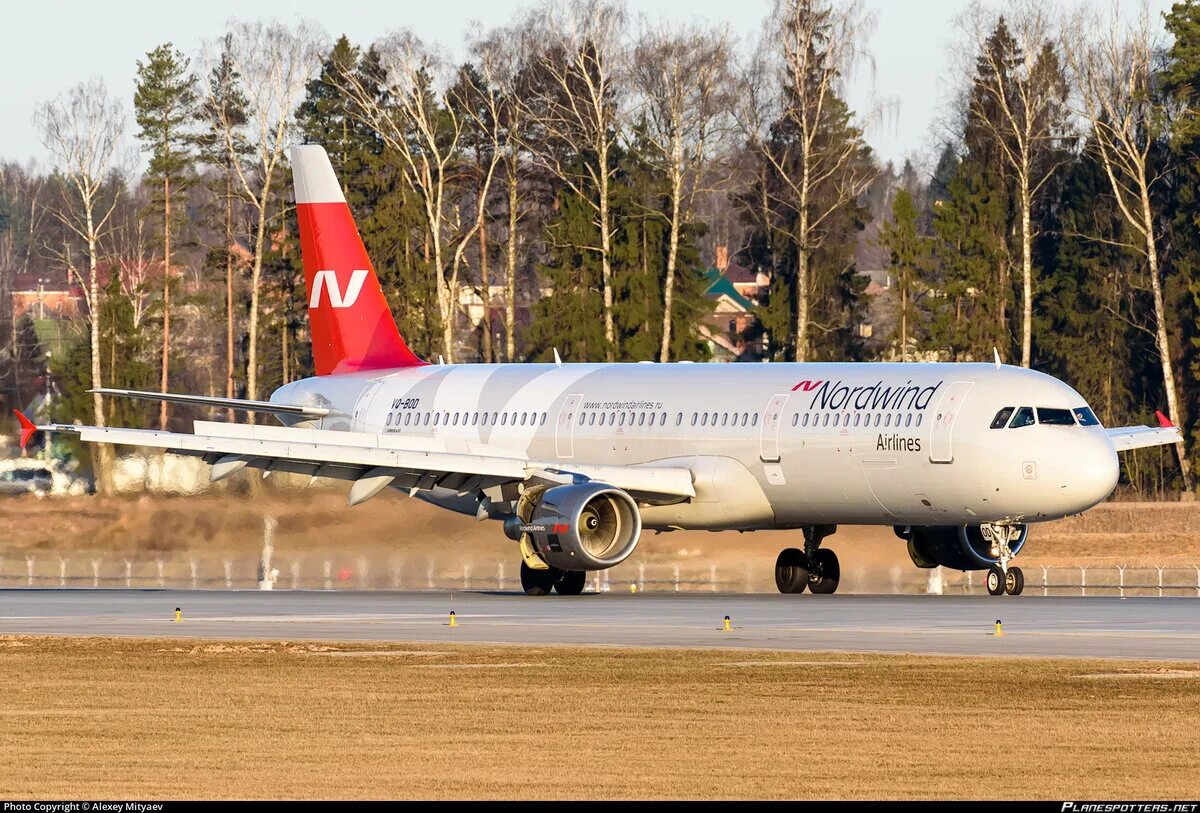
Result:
x=352 y=328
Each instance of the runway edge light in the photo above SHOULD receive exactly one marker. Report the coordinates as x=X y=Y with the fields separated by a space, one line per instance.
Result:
x=453 y=619
x=728 y=624
x=178 y=615
x=999 y=629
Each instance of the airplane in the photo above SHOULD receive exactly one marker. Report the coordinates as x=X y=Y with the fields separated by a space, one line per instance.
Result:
x=576 y=460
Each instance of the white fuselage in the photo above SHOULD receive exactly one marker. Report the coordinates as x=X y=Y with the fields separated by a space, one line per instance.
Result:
x=768 y=445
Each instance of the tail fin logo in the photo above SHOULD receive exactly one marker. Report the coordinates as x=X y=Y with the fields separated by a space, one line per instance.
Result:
x=327 y=281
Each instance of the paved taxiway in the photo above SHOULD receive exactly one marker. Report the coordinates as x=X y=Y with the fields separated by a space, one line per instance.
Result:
x=1103 y=627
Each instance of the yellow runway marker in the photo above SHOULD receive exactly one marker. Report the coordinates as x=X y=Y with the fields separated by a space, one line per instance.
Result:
x=999 y=629
x=453 y=619
x=728 y=624
x=178 y=615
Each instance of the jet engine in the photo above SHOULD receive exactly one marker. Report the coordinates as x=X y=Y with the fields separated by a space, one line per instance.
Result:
x=585 y=526
x=961 y=547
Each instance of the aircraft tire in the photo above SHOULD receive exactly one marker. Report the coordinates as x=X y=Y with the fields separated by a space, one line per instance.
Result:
x=995 y=581
x=1014 y=581
x=826 y=572
x=571 y=582
x=791 y=571
x=538 y=582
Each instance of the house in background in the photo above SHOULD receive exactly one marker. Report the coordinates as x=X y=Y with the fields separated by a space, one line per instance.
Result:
x=738 y=291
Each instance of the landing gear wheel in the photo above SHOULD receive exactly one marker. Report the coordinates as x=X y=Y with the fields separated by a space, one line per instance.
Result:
x=791 y=571
x=995 y=581
x=571 y=582
x=538 y=582
x=1014 y=581
x=825 y=572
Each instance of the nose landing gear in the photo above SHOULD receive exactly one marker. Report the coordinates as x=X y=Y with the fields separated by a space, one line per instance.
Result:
x=1003 y=578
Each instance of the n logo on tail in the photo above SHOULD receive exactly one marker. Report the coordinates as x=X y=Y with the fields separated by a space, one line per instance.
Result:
x=328 y=281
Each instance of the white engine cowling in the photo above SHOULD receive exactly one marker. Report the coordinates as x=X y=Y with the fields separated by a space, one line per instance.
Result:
x=588 y=526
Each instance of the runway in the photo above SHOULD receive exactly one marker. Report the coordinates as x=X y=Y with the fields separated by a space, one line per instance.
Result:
x=1102 y=627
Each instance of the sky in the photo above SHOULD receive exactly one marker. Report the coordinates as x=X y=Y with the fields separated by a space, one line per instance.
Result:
x=62 y=43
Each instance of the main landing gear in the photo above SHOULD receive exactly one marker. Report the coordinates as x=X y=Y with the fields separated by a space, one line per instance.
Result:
x=814 y=568
x=541 y=582
x=1003 y=578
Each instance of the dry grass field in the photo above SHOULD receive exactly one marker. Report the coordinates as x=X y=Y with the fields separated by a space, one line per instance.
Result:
x=317 y=518
x=169 y=719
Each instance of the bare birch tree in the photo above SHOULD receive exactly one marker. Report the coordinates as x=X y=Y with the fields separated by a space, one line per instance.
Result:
x=817 y=171
x=577 y=106
x=1112 y=63
x=426 y=132
x=82 y=130
x=498 y=56
x=682 y=77
x=274 y=63
x=1021 y=102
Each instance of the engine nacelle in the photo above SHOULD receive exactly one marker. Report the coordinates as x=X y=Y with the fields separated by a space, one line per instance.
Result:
x=589 y=526
x=961 y=547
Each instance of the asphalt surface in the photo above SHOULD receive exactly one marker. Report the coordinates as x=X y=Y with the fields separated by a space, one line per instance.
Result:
x=1101 y=627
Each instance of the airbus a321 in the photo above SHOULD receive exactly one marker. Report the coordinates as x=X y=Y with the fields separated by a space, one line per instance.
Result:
x=577 y=460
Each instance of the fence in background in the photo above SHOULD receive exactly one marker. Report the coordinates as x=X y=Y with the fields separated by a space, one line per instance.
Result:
x=341 y=572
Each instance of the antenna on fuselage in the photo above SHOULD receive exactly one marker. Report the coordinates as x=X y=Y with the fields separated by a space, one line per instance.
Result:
x=996 y=356
x=557 y=358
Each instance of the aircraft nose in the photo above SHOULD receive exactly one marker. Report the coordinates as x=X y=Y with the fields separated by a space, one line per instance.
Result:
x=1096 y=469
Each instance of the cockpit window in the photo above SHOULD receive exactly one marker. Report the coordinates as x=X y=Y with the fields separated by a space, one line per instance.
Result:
x=1086 y=417
x=1056 y=417
x=1024 y=417
x=1001 y=419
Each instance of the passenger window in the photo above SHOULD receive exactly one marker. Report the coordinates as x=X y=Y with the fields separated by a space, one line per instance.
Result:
x=695 y=418
x=679 y=419
x=825 y=422
x=1001 y=419
x=887 y=419
x=754 y=419
x=504 y=419
x=919 y=420
x=621 y=415
x=1024 y=417
x=724 y=419
x=1056 y=417
x=796 y=419
x=1086 y=417
x=877 y=419
x=805 y=421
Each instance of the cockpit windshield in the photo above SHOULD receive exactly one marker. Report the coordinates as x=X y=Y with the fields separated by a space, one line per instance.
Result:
x=1001 y=419
x=1024 y=417
x=1086 y=417
x=1056 y=417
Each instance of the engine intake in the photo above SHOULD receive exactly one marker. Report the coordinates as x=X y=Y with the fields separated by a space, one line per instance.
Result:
x=588 y=526
x=961 y=547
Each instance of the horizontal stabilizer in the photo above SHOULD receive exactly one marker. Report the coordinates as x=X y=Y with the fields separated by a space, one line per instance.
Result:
x=220 y=403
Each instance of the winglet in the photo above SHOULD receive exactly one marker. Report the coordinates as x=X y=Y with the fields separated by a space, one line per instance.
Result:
x=996 y=356
x=28 y=429
x=1163 y=420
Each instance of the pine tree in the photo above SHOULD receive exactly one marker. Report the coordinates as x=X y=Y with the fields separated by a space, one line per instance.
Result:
x=164 y=107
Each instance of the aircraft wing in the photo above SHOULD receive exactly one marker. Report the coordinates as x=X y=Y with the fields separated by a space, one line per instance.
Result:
x=375 y=461
x=1138 y=437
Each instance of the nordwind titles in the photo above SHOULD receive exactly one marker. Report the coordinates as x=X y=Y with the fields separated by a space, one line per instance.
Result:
x=836 y=395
